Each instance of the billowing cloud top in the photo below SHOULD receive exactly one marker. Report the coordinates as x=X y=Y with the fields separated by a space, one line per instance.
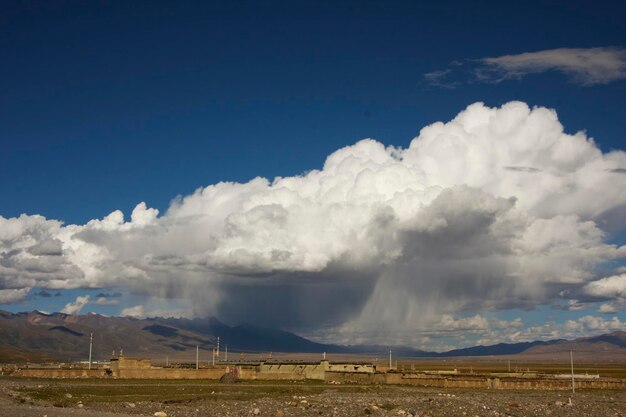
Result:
x=495 y=209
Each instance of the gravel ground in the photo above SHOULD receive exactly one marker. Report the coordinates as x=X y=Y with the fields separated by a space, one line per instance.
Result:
x=19 y=398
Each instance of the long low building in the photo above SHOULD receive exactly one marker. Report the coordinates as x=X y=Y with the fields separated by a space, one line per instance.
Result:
x=331 y=372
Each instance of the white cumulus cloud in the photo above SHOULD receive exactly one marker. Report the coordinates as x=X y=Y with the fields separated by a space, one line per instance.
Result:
x=11 y=296
x=136 y=311
x=497 y=208
x=78 y=304
x=593 y=324
x=609 y=287
x=607 y=309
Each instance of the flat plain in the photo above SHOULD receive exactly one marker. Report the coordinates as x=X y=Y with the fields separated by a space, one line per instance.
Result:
x=120 y=398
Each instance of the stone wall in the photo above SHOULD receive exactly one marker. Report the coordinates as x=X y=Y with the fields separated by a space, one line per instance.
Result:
x=466 y=381
x=356 y=378
x=61 y=373
x=292 y=370
x=134 y=363
x=351 y=367
x=172 y=373
x=342 y=373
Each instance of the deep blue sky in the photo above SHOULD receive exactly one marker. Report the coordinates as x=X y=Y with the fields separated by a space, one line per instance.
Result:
x=106 y=104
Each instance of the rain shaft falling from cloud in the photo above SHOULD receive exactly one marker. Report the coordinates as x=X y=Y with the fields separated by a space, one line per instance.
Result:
x=496 y=209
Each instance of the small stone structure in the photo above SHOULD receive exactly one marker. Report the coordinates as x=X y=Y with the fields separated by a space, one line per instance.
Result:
x=122 y=363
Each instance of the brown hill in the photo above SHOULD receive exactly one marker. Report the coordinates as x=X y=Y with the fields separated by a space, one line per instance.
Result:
x=609 y=347
x=35 y=336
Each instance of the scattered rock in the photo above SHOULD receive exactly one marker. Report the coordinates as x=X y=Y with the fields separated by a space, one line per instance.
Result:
x=364 y=401
x=68 y=395
x=228 y=378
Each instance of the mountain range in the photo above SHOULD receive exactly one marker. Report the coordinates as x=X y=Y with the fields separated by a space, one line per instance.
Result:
x=37 y=336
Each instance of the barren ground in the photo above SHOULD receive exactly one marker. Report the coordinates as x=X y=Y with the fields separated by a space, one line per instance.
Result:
x=90 y=398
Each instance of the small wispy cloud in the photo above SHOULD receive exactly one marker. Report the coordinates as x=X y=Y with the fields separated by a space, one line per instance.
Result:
x=440 y=79
x=588 y=66
x=106 y=301
x=76 y=306
x=583 y=66
x=608 y=308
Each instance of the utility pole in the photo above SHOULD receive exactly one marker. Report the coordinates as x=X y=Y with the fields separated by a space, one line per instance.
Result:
x=197 y=357
x=218 y=347
x=90 y=346
x=226 y=353
x=324 y=355
x=390 y=364
x=571 y=358
x=167 y=361
x=509 y=365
